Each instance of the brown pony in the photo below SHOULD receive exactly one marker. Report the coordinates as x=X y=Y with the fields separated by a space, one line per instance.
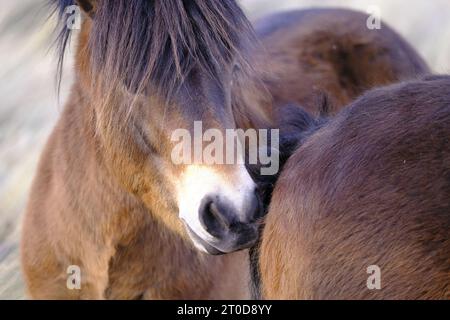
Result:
x=108 y=198
x=366 y=195
x=310 y=52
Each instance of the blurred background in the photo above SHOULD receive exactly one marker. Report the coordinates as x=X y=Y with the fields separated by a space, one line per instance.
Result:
x=29 y=105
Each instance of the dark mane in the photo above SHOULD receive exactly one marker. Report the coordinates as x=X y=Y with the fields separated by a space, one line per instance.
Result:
x=142 y=41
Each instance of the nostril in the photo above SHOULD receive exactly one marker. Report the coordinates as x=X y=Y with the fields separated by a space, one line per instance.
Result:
x=214 y=217
x=219 y=216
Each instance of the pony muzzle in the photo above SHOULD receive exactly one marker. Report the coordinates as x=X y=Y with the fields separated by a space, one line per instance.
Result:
x=220 y=220
x=219 y=216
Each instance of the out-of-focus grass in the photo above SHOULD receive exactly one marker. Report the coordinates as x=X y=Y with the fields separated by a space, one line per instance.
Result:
x=29 y=106
x=28 y=110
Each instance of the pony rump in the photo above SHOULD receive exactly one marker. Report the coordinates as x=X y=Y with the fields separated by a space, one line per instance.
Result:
x=144 y=42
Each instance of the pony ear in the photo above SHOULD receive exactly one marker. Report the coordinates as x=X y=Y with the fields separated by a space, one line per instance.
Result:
x=88 y=6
